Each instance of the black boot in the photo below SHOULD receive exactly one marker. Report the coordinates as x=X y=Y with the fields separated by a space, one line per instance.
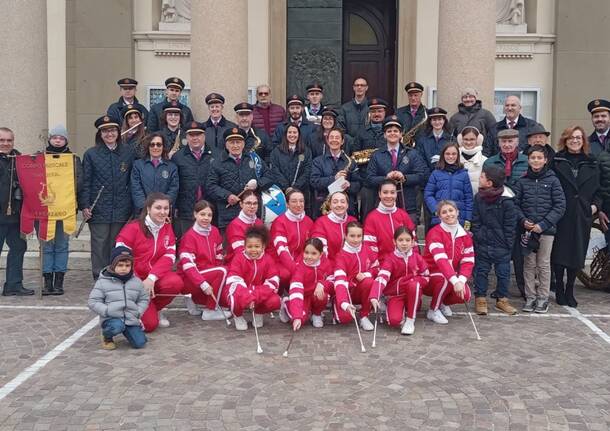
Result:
x=48 y=284
x=16 y=291
x=58 y=284
x=560 y=296
x=571 y=301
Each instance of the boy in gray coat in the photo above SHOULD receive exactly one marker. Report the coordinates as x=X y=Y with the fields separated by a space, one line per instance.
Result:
x=120 y=299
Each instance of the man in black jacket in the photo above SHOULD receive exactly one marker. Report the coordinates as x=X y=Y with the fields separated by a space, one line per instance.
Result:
x=173 y=89
x=512 y=120
x=414 y=112
x=128 y=97
x=294 y=105
x=216 y=124
x=255 y=138
x=353 y=114
x=600 y=117
x=10 y=206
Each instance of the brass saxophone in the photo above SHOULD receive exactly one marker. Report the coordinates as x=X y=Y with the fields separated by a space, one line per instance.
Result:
x=325 y=208
x=257 y=139
x=362 y=157
x=408 y=137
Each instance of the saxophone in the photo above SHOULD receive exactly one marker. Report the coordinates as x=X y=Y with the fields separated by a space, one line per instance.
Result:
x=325 y=208
x=408 y=137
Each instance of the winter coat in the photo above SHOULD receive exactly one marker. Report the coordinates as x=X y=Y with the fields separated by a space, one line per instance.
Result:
x=540 y=201
x=323 y=171
x=408 y=121
x=331 y=233
x=518 y=170
x=604 y=180
x=226 y=177
x=396 y=268
x=523 y=125
x=192 y=174
x=283 y=169
x=114 y=110
x=574 y=228
x=288 y=236
x=353 y=117
x=8 y=188
x=474 y=166
x=110 y=298
x=444 y=185
x=596 y=147
x=268 y=118
x=306 y=129
x=370 y=137
x=410 y=163
x=379 y=229
x=199 y=252
x=171 y=136
x=111 y=169
x=264 y=148
x=154 y=117
x=430 y=149
x=214 y=139
x=474 y=115
x=493 y=227
x=317 y=143
x=303 y=283
x=453 y=257
x=146 y=178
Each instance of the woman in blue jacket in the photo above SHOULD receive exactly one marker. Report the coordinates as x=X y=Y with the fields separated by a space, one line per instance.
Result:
x=154 y=172
x=450 y=181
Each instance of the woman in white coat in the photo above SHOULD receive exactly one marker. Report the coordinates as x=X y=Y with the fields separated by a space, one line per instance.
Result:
x=470 y=141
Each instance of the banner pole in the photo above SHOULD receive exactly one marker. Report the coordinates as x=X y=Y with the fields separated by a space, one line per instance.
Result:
x=41 y=274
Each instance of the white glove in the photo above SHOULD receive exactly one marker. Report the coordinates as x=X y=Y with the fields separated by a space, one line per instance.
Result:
x=435 y=159
x=252 y=184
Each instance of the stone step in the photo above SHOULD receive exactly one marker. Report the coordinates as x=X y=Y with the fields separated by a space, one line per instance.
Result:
x=77 y=260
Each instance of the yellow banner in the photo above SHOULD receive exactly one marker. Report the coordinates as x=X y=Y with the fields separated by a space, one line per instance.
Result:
x=60 y=197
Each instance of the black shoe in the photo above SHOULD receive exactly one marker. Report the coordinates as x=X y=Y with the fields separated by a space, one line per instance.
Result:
x=560 y=296
x=16 y=291
x=571 y=301
x=58 y=284
x=48 y=284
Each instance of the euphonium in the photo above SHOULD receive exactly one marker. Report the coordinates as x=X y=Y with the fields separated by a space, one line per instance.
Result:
x=325 y=208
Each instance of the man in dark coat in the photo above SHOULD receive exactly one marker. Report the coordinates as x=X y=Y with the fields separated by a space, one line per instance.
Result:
x=216 y=124
x=415 y=112
x=266 y=114
x=471 y=113
x=353 y=115
x=128 y=88
x=173 y=89
x=600 y=117
x=512 y=120
x=313 y=108
x=255 y=138
x=294 y=105
x=10 y=207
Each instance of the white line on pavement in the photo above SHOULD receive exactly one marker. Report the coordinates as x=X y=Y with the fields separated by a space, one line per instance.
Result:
x=40 y=363
x=42 y=307
x=592 y=326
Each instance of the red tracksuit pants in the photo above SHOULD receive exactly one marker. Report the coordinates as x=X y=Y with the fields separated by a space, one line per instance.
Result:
x=170 y=284
x=265 y=299
x=216 y=277
x=442 y=292
x=311 y=305
x=407 y=299
x=359 y=295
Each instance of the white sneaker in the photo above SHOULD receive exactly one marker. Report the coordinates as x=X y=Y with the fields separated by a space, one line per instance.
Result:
x=191 y=307
x=240 y=323
x=366 y=324
x=163 y=322
x=317 y=321
x=446 y=310
x=436 y=316
x=284 y=317
x=408 y=328
x=258 y=320
x=219 y=314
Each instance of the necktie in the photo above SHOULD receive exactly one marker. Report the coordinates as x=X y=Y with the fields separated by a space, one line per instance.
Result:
x=394 y=159
x=602 y=140
x=237 y=160
x=413 y=112
x=197 y=154
x=155 y=162
x=511 y=124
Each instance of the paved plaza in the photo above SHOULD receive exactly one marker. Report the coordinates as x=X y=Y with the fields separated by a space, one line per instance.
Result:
x=529 y=372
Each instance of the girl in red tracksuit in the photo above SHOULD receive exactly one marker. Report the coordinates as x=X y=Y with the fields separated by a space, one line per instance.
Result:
x=330 y=228
x=253 y=280
x=402 y=277
x=288 y=235
x=382 y=222
x=200 y=261
x=236 y=230
x=310 y=286
x=153 y=245
x=356 y=267
x=449 y=254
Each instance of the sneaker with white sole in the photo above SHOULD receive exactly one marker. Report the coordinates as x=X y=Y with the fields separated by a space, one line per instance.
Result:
x=218 y=314
x=240 y=323
x=258 y=320
x=317 y=321
x=163 y=322
x=542 y=306
x=284 y=317
x=366 y=324
x=446 y=310
x=191 y=307
x=408 y=328
x=530 y=305
x=437 y=317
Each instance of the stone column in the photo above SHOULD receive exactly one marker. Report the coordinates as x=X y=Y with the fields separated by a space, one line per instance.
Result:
x=23 y=43
x=466 y=51
x=219 y=53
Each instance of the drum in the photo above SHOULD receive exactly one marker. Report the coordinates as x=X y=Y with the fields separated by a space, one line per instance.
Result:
x=274 y=204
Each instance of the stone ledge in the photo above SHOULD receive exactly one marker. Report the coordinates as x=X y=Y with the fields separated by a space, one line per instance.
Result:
x=523 y=46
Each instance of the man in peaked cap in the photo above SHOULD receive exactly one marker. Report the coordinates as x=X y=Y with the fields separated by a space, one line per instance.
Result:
x=127 y=88
x=600 y=117
x=314 y=107
x=216 y=124
x=294 y=105
x=414 y=112
x=173 y=90
x=243 y=113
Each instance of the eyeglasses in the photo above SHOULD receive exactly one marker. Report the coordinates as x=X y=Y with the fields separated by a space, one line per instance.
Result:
x=262 y=93
x=156 y=145
x=360 y=85
x=576 y=138
x=250 y=203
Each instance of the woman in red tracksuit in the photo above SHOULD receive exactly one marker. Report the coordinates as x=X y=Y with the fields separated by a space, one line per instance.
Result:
x=330 y=228
x=356 y=267
x=236 y=230
x=449 y=254
x=253 y=280
x=288 y=235
x=402 y=277
x=153 y=245
x=382 y=222
x=310 y=286
x=200 y=263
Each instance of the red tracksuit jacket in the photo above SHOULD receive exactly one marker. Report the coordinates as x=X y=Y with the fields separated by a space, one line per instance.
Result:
x=452 y=257
x=152 y=257
x=380 y=226
x=236 y=234
x=304 y=282
x=198 y=252
x=348 y=263
x=249 y=273
x=288 y=235
x=396 y=268
x=331 y=233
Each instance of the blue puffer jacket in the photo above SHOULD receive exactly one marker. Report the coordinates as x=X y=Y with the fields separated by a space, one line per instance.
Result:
x=430 y=149
x=111 y=169
x=444 y=185
x=540 y=200
x=146 y=178
x=493 y=226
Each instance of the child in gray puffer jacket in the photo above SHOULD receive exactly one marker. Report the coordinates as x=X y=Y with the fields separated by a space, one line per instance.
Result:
x=120 y=299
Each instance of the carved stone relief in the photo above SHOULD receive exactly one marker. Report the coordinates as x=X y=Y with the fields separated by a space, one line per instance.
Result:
x=510 y=16
x=175 y=15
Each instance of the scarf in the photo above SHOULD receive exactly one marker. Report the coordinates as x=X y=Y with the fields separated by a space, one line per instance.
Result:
x=469 y=154
x=294 y=217
x=336 y=219
x=246 y=218
x=451 y=228
x=54 y=150
x=537 y=175
x=451 y=168
x=152 y=226
x=386 y=210
x=313 y=265
x=491 y=194
x=509 y=158
x=205 y=231
x=124 y=278
x=402 y=254
x=351 y=249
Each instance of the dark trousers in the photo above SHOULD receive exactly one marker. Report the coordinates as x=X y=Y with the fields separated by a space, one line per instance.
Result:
x=517 y=258
x=17 y=246
x=181 y=226
x=482 y=268
x=368 y=201
x=103 y=237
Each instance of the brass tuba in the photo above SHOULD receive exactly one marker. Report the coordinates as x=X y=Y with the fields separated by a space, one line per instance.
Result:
x=325 y=208
x=408 y=137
